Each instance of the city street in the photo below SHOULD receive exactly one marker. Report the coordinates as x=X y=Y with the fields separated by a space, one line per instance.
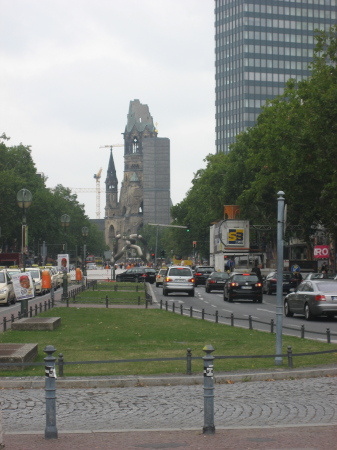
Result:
x=213 y=301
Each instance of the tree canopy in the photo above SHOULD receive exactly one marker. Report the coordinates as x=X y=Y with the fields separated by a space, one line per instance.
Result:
x=291 y=148
x=18 y=171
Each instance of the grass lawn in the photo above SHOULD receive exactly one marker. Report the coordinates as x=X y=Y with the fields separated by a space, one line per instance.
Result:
x=89 y=334
x=117 y=293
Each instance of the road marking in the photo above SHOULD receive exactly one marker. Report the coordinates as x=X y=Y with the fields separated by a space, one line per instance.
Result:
x=267 y=310
x=253 y=317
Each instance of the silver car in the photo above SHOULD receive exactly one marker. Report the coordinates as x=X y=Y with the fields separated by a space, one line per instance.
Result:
x=178 y=279
x=312 y=298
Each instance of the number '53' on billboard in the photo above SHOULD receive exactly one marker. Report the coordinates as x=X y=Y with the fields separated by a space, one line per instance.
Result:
x=235 y=236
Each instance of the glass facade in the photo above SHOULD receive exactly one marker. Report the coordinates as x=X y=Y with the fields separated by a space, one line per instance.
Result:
x=259 y=45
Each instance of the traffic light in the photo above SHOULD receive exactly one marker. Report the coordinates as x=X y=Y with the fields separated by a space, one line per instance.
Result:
x=188 y=227
x=162 y=253
x=152 y=254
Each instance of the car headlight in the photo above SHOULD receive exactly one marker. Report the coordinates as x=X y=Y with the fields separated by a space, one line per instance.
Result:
x=3 y=291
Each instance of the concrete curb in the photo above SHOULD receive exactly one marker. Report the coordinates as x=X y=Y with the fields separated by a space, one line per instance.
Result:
x=133 y=381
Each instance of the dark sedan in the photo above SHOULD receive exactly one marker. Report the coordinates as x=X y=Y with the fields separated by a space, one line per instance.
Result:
x=138 y=275
x=289 y=282
x=216 y=281
x=243 y=286
x=201 y=273
x=312 y=298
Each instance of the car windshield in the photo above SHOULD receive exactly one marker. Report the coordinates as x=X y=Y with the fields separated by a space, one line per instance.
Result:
x=222 y=275
x=34 y=273
x=2 y=277
x=243 y=278
x=205 y=269
x=180 y=272
x=330 y=288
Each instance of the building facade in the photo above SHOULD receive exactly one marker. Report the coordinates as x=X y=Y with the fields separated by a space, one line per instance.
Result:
x=259 y=45
x=144 y=195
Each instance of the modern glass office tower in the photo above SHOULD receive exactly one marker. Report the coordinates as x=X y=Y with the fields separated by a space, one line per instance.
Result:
x=259 y=45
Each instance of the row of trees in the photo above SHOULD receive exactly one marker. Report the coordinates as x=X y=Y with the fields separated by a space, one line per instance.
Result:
x=292 y=148
x=18 y=171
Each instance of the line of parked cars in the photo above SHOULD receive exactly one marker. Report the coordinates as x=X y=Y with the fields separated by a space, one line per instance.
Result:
x=7 y=291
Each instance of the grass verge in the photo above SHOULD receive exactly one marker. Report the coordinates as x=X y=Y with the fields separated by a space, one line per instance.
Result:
x=88 y=334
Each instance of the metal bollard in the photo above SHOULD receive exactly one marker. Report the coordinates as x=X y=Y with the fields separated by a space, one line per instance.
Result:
x=290 y=357
x=302 y=332
x=216 y=316
x=173 y=307
x=209 y=427
x=272 y=326
x=328 y=338
x=107 y=301
x=5 y=324
x=250 y=322
x=232 y=320
x=191 y=311
x=166 y=305
x=36 y=309
x=31 y=311
x=181 y=309
x=50 y=388
x=203 y=314
x=161 y=303
x=189 y=362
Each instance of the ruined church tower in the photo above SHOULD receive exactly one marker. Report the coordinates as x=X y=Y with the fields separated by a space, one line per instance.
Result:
x=144 y=195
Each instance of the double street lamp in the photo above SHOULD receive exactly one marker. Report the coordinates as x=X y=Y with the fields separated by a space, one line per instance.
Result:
x=24 y=200
x=65 y=222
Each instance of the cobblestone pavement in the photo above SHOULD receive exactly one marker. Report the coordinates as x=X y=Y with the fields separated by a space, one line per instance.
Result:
x=252 y=404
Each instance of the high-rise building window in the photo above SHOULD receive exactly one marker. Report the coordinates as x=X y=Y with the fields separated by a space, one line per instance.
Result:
x=259 y=45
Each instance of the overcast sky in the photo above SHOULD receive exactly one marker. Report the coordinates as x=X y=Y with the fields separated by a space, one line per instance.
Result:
x=69 y=69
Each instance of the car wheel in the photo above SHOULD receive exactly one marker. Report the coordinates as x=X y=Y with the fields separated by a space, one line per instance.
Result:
x=14 y=300
x=206 y=289
x=191 y=293
x=259 y=300
x=307 y=313
x=287 y=311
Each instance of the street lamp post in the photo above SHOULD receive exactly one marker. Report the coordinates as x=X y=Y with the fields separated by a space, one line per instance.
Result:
x=85 y=232
x=113 y=268
x=65 y=222
x=24 y=200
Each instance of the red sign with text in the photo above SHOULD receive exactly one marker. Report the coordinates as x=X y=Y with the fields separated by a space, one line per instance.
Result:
x=321 y=251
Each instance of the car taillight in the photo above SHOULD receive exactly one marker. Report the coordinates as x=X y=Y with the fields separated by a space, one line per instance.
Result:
x=144 y=275
x=320 y=298
x=211 y=281
x=258 y=284
x=198 y=274
x=158 y=276
x=234 y=284
x=273 y=279
x=167 y=279
x=191 y=280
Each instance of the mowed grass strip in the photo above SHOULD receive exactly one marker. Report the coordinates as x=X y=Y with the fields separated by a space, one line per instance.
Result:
x=88 y=334
x=121 y=293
